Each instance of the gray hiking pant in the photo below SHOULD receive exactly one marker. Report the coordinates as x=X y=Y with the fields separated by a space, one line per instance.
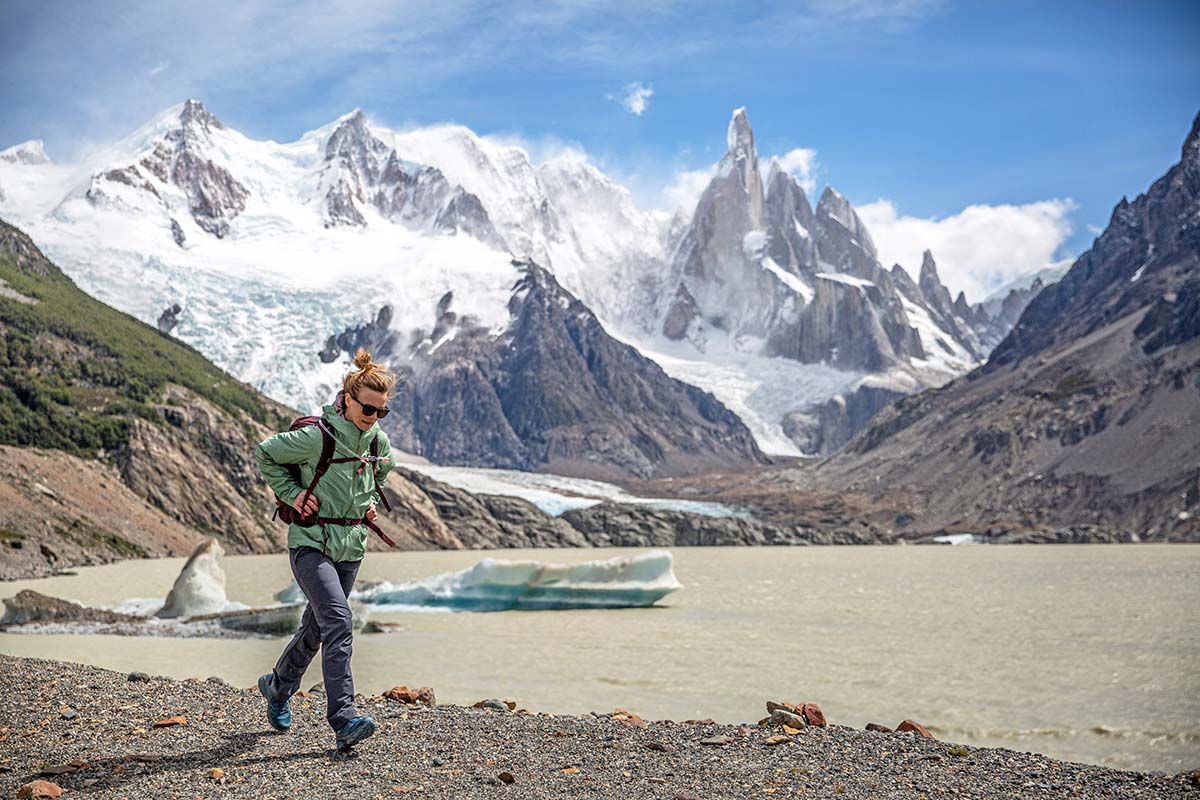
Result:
x=326 y=626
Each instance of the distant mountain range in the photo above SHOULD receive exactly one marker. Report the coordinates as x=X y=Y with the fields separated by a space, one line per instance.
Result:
x=1087 y=412
x=281 y=256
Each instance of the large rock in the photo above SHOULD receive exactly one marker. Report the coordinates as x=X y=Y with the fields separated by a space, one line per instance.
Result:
x=28 y=606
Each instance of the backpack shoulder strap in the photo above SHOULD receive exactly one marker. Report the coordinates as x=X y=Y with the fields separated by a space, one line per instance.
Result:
x=327 y=446
x=378 y=489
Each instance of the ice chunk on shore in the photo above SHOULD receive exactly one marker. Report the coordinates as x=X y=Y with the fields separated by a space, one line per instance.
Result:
x=200 y=587
x=499 y=585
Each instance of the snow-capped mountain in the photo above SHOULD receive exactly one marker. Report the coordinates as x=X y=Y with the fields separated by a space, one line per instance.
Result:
x=272 y=249
x=31 y=152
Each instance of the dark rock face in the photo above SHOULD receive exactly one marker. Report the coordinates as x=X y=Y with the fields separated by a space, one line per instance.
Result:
x=993 y=324
x=177 y=233
x=374 y=337
x=18 y=247
x=29 y=606
x=554 y=392
x=491 y=521
x=619 y=525
x=198 y=469
x=1088 y=413
x=1149 y=247
x=464 y=212
x=169 y=318
x=823 y=428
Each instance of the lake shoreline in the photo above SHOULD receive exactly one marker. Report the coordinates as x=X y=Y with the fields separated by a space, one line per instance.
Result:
x=93 y=731
x=12 y=572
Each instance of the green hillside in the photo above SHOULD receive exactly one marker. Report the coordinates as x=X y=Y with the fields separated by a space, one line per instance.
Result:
x=74 y=371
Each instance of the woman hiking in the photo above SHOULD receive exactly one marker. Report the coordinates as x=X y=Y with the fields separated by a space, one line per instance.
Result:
x=327 y=536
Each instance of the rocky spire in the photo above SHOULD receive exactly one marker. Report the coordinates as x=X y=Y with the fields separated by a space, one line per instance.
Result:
x=837 y=208
x=742 y=160
x=935 y=292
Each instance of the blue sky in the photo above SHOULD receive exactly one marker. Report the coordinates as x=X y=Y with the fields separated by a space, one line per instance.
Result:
x=931 y=107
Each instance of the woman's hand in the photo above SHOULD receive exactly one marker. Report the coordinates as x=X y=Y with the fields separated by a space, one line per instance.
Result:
x=371 y=513
x=305 y=503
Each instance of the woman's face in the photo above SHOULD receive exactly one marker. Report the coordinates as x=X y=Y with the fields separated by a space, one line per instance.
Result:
x=355 y=403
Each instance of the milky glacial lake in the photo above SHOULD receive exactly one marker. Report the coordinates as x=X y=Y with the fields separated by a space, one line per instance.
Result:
x=1088 y=653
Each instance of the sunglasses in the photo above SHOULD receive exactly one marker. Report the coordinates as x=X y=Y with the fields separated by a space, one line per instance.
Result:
x=369 y=410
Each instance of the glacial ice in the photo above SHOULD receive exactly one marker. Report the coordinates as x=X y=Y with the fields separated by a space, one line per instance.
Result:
x=501 y=585
x=200 y=587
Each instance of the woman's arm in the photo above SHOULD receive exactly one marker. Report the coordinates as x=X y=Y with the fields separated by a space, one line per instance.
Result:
x=288 y=447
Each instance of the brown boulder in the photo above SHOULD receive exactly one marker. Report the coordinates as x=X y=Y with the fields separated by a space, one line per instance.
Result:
x=814 y=716
x=875 y=726
x=419 y=696
x=916 y=727
x=39 y=790
x=772 y=705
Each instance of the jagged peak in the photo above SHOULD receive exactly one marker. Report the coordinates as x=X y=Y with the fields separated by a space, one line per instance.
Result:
x=29 y=152
x=740 y=137
x=1191 y=145
x=353 y=135
x=193 y=112
x=774 y=169
x=928 y=267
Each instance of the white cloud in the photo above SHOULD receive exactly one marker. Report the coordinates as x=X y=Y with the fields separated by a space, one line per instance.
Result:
x=635 y=97
x=685 y=188
x=801 y=163
x=978 y=249
x=159 y=68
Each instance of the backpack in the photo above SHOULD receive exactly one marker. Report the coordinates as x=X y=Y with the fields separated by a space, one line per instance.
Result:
x=291 y=516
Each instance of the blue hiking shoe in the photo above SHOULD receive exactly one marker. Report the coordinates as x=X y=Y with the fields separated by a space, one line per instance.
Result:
x=354 y=732
x=278 y=713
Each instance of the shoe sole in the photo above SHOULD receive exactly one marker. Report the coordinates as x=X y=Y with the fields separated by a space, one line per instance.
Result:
x=366 y=730
x=266 y=693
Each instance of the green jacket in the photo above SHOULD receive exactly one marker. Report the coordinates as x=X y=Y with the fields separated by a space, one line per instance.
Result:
x=343 y=492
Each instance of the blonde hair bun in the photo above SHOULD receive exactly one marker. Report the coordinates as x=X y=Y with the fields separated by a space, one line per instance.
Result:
x=368 y=375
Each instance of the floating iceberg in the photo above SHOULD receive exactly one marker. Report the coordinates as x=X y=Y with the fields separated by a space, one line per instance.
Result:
x=498 y=585
x=200 y=587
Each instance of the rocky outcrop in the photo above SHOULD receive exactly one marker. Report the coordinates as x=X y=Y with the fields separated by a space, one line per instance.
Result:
x=1087 y=413
x=374 y=336
x=621 y=525
x=28 y=606
x=197 y=465
x=435 y=515
x=169 y=318
x=823 y=428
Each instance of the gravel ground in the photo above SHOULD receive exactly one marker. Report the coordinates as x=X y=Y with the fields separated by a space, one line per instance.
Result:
x=53 y=713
